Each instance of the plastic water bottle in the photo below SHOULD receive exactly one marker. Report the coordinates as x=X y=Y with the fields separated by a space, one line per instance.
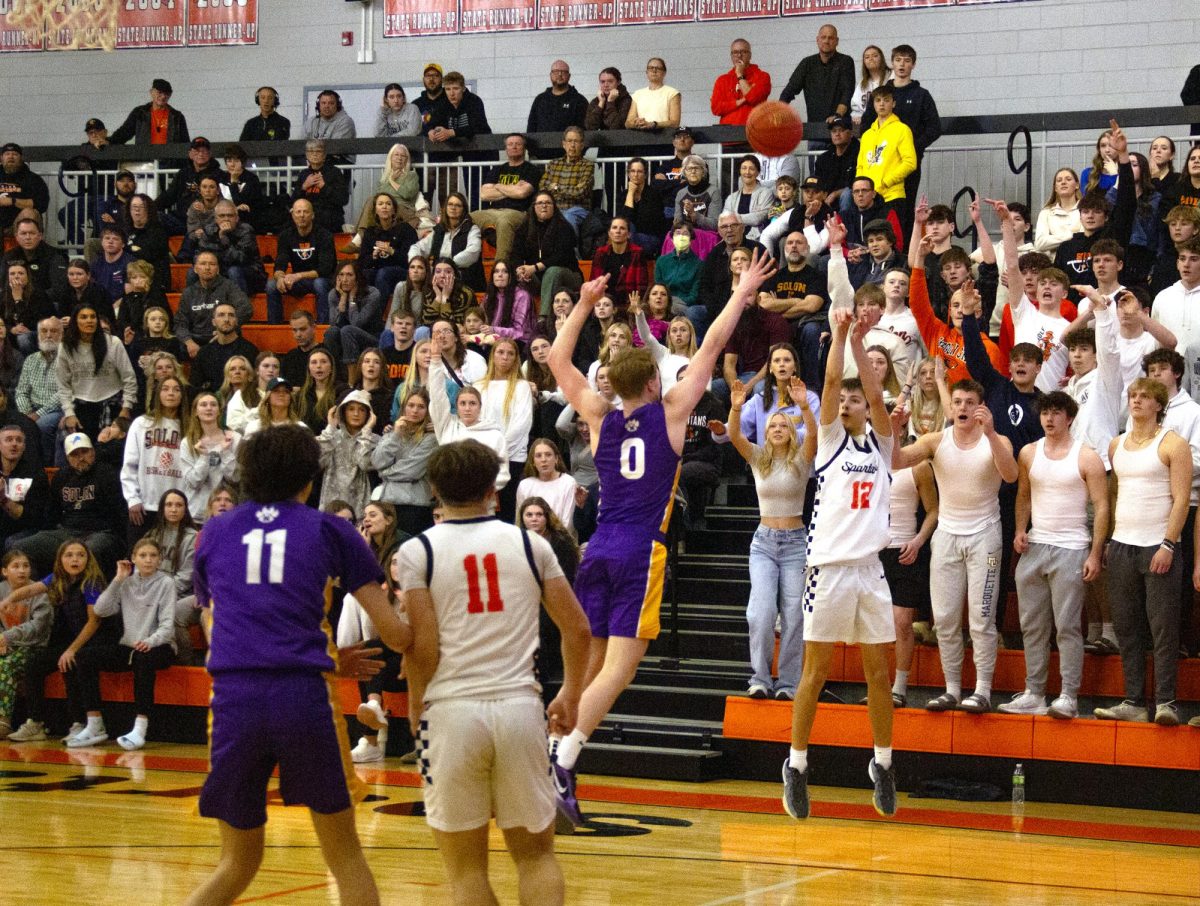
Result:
x=1018 y=788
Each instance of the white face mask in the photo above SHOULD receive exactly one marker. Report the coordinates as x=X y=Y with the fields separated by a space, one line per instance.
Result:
x=682 y=242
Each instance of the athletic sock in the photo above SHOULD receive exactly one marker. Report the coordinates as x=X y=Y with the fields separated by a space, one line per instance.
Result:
x=141 y=725
x=95 y=724
x=798 y=759
x=1093 y=633
x=569 y=749
x=1108 y=632
x=984 y=689
x=883 y=756
x=954 y=689
x=900 y=686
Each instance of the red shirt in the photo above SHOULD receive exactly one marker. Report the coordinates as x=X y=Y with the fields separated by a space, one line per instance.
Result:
x=158 y=125
x=725 y=95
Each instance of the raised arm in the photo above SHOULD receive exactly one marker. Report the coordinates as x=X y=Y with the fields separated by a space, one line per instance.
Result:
x=841 y=292
x=571 y=381
x=682 y=398
x=1008 y=236
x=799 y=393
x=872 y=387
x=986 y=249
x=439 y=399
x=737 y=399
x=831 y=392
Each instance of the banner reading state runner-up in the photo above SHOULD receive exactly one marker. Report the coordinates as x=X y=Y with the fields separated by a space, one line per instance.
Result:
x=212 y=22
x=496 y=15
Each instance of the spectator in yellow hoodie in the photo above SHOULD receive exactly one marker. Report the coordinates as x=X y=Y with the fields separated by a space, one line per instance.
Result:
x=887 y=153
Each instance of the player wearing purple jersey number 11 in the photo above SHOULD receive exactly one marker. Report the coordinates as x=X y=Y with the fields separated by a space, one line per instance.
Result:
x=263 y=572
x=637 y=451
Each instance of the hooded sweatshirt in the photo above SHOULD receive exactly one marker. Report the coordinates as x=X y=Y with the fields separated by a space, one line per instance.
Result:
x=147 y=608
x=346 y=457
x=449 y=428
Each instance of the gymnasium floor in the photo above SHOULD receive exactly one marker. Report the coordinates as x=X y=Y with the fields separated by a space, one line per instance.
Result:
x=99 y=826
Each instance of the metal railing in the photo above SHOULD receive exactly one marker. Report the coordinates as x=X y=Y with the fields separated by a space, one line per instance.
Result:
x=1011 y=156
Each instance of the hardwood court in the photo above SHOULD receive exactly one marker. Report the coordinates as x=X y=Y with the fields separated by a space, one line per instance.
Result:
x=100 y=826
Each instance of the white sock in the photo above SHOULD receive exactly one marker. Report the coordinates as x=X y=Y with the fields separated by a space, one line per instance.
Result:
x=984 y=689
x=798 y=759
x=141 y=725
x=1108 y=632
x=955 y=689
x=569 y=749
x=1093 y=632
x=883 y=756
x=900 y=686
x=95 y=724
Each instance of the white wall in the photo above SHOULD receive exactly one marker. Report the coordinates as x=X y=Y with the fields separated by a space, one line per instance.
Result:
x=1038 y=55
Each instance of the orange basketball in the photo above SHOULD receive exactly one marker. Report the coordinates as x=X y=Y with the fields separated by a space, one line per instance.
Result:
x=774 y=129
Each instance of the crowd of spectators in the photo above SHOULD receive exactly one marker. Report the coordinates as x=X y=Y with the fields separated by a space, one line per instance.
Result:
x=1025 y=377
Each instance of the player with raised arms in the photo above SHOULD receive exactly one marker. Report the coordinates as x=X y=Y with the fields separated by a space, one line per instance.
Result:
x=262 y=574
x=637 y=452
x=474 y=587
x=846 y=596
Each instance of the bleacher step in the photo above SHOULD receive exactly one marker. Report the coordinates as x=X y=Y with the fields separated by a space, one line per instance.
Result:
x=651 y=762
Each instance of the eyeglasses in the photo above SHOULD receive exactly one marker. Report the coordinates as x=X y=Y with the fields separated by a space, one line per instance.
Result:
x=560 y=72
x=656 y=69
x=544 y=203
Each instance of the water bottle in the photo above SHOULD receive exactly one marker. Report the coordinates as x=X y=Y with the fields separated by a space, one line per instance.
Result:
x=1018 y=788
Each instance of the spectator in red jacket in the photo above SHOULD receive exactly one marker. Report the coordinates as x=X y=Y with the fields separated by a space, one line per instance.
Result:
x=623 y=261
x=744 y=87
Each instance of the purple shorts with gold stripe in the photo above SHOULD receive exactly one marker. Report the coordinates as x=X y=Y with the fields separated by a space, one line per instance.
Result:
x=263 y=719
x=620 y=583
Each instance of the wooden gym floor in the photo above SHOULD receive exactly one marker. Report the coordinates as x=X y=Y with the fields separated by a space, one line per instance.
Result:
x=100 y=826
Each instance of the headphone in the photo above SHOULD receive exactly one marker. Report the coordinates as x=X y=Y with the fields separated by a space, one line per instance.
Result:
x=275 y=105
x=328 y=91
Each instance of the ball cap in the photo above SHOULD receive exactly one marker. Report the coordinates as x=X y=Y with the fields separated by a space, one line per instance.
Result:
x=94 y=125
x=842 y=122
x=124 y=174
x=429 y=66
x=162 y=85
x=201 y=142
x=813 y=182
x=683 y=130
x=12 y=146
x=77 y=441
x=276 y=382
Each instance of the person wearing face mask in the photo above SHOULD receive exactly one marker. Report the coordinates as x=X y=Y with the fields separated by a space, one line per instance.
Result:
x=679 y=271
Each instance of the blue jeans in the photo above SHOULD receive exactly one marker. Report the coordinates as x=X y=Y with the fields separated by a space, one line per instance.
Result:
x=48 y=427
x=698 y=315
x=347 y=343
x=575 y=216
x=812 y=351
x=777 y=560
x=720 y=387
x=320 y=286
x=385 y=279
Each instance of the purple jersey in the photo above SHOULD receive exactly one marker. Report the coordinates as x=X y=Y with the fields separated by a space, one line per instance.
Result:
x=264 y=569
x=638 y=470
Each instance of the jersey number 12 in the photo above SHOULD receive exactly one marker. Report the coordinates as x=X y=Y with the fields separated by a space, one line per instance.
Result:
x=254 y=541
x=860 y=495
x=490 y=570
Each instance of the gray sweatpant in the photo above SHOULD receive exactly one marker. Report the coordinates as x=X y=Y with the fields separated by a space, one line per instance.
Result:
x=1145 y=610
x=1050 y=592
x=966 y=566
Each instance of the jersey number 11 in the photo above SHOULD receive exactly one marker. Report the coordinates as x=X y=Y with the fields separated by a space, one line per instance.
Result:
x=490 y=570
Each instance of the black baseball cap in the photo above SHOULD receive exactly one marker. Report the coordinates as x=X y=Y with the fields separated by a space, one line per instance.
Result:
x=683 y=130
x=813 y=182
x=162 y=85
x=276 y=382
x=201 y=142
x=94 y=125
x=12 y=146
x=124 y=174
x=841 y=122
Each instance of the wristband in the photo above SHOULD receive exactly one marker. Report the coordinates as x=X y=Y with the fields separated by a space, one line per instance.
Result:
x=1169 y=545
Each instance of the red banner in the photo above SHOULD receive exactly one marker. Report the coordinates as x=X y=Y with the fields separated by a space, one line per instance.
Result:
x=567 y=14
x=408 y=18
x=711 y=10
x=821 y=7
x=655 y=12
x=14 y=39
x=908 y=4
x=151 y=23
x=212 y=22
x=497 y=15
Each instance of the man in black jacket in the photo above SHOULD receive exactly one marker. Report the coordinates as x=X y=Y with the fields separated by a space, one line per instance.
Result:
x=236 y=246
x=826 y=79
x=715 y=277
x=24 y=490
x=916 y=108
x=20 y=188
x=156 y=123
x=560 y=105
x=304 y=264
x=47 y=265
x=269 y=125
x=86 y=503
x=208 y=369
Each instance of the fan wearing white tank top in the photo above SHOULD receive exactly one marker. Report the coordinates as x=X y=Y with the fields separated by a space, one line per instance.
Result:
x=1152 y=472
x=969 y=460
x=1059 y=476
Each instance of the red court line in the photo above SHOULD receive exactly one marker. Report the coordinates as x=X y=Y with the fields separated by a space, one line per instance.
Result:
x=1055 y=827
x=283 y=893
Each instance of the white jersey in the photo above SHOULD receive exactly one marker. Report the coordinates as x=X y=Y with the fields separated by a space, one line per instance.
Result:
x=486 y=583
x=850 y=513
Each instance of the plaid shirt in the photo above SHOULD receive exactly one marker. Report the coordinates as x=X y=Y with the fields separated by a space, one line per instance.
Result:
x=37 y=389
x=570 y=183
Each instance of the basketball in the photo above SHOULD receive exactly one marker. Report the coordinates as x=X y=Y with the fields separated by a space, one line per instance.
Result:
x=774 y=129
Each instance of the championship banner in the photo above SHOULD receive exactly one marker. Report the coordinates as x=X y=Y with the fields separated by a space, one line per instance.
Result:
x=908 y=4
x=214 y=22
x=410 y=18
x=821 y=7
x=715 y=10
x=564 y=14
x=655 y=12
x=151 y=23
x=497 y=15
x=17 y=34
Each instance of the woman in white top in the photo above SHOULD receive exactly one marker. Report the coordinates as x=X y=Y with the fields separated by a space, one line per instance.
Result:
x=546 y=477
x=657 y=106
x=1058 y=220
x=279 y=406
x=466 y=421
x=618 y=339
x=751 y=200
x=96 y=384
x=777 y=553
x=508 y=402
x=875 y=72
x=208 y=454
x=244 y=402
x=152 y=466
